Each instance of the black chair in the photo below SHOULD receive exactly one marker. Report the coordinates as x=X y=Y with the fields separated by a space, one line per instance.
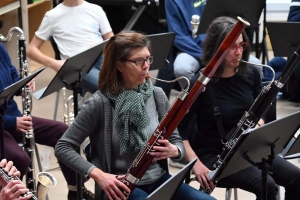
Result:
x=57 y=57
x=87 y=151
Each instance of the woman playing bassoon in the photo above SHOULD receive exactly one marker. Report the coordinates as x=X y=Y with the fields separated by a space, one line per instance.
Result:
x=230 y=93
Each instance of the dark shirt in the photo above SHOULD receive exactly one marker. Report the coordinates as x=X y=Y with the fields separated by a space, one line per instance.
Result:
x=234 y=96
x=294 y=14
x=8 y=76
x=179 y=15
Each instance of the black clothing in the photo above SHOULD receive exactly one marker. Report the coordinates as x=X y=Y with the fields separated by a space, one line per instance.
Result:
x=234 y=96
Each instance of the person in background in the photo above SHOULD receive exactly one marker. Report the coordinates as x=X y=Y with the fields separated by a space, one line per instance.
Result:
x=291 y=90
x=46 y=132
x=184 y=58
x=234 y=86
x=75 y=26
x=14 y=188
x=119 y=119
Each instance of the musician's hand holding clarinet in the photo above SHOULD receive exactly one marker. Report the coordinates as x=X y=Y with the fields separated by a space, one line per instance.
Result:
x=14 y=188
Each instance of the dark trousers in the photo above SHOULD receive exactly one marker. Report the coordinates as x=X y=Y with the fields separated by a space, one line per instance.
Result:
x=46 y=132
x=283 y=173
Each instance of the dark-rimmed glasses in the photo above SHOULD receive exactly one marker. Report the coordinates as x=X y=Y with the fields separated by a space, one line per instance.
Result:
x=242 y=46
x=139 y=62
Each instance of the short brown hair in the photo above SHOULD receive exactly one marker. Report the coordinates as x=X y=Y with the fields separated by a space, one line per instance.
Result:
x=119 y=47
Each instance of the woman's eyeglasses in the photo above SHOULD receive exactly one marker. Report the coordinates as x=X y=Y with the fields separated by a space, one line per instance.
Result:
x=141 y=61
x=242 y=46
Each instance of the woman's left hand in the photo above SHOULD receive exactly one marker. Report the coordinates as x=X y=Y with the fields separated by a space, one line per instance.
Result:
x=164 y=150
x=31 y=85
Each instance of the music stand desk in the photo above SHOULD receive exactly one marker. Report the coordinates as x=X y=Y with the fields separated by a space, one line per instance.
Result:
x=70 y=76
x=284 y=37
x=141 y=6
x=69 y=72
x=168 y=189
x=250 y=10
x=6 y=94
x=123 y=2
x=258 y=141
x=161 y=45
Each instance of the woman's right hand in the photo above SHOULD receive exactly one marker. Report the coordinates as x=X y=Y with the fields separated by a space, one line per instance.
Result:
x=201 y=171
x=110 y=184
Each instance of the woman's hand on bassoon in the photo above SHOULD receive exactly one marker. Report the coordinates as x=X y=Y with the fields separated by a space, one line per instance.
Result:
x=201 y=171
x=110 y=184
x=164 y=150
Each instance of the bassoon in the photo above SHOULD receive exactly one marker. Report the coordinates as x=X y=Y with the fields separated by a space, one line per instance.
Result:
x=179 y=108
x=251 y=117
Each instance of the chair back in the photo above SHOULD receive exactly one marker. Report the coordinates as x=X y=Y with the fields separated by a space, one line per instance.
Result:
x=270 y=114
x=55 y=48
x=87 y=151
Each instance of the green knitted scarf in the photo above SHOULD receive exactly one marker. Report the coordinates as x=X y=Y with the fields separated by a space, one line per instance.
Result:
x=131 y=115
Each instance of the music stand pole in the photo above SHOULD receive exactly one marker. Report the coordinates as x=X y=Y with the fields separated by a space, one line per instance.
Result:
x=263 y=166
x=263 y=42
x=77 y=89
x=261 y=48
x=2 y=113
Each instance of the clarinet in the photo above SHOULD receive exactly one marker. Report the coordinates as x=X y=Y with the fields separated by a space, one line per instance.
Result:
x=29 y=144
x=178 y=110
x=8 y=178
x=26 y=103
x=251 y=118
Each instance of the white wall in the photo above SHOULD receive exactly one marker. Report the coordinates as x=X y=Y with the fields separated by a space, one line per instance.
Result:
x=277 y=10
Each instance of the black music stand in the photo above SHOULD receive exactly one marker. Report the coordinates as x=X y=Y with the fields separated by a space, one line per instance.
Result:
x=169 y=188
x=141 y=6
x=250 y=10
x=6 y=94
x=70 y=76
x=259 y=147
x=284 y=37
x=161 y=45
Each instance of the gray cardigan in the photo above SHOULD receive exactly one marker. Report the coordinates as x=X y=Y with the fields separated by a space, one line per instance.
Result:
x=95 y=121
